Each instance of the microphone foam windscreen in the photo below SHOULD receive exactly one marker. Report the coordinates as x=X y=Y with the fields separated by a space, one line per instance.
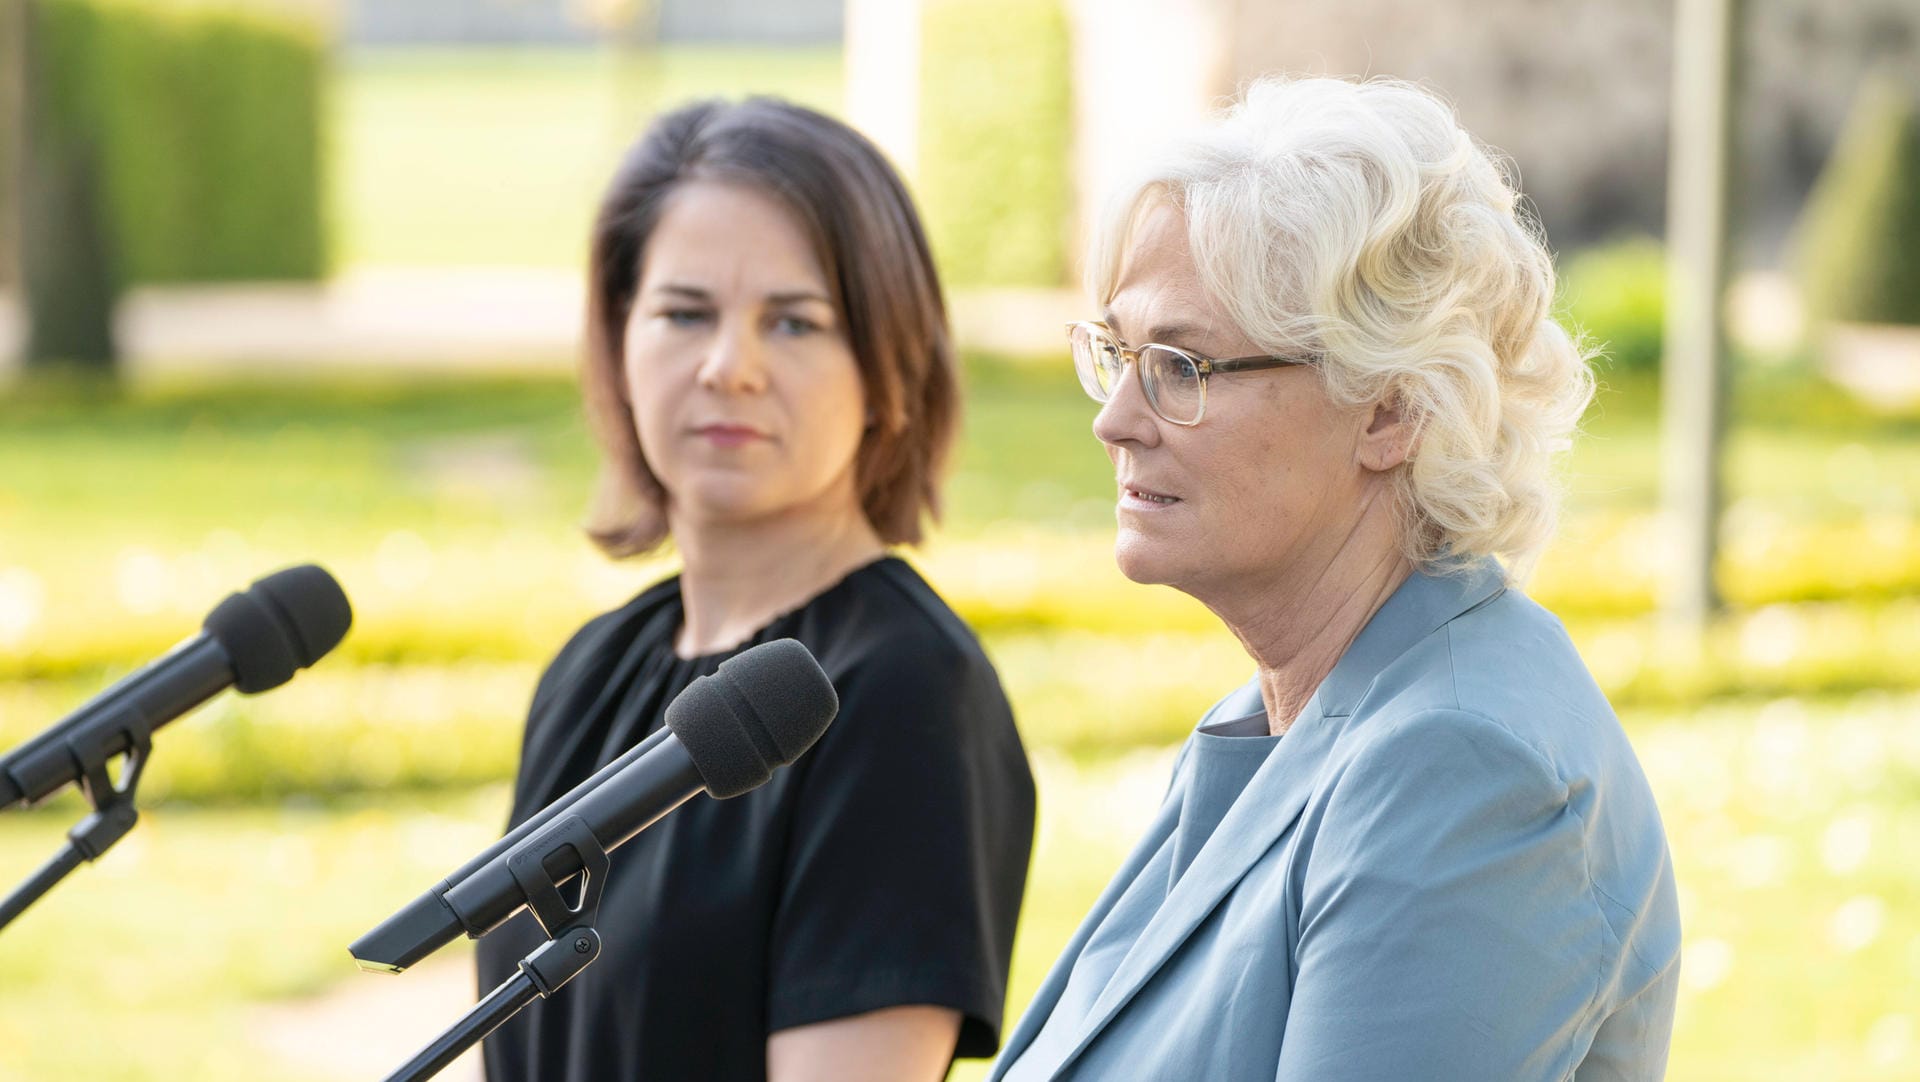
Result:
x=762 y=710
x=280 y=625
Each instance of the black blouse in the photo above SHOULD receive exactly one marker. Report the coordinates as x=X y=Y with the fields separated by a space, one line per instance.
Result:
x=884 y=868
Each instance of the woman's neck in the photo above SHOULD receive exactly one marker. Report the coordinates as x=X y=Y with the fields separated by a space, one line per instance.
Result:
x=738 y=576
x=1297 y=624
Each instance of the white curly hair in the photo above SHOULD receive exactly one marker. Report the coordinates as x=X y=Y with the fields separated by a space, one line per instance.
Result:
x=1357 y=220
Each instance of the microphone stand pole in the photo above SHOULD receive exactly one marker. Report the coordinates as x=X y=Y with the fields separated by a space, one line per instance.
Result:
x=113 y=811
x=572 y=943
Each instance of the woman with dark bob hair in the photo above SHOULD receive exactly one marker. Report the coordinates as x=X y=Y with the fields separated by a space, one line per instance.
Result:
x=1417 y=844
x=771 y=381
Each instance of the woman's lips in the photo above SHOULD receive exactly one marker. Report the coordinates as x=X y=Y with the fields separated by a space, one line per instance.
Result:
x=729 y=435
x=1145 y=498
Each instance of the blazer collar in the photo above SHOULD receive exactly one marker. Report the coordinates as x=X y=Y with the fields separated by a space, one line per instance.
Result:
x=1420 y=606
x=1274 y=797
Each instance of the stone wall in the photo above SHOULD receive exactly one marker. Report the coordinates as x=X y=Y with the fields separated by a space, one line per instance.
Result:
x=1576 y=93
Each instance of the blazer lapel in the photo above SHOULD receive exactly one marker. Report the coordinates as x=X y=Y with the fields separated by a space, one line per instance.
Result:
x=1274 y=797
x=1271 y=802
x=1034 y=1016
x=1236 y=704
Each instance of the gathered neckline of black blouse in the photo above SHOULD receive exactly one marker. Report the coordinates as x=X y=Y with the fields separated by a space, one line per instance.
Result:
x=763 y=633
x=602 y=718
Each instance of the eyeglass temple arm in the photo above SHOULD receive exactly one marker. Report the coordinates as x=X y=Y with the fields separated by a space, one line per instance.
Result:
x=1243 y=364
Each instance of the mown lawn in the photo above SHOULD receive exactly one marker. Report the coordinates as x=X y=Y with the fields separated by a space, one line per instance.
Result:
x=498 y=156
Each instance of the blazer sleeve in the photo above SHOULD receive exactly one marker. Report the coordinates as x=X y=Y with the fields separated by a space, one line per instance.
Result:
x=1448 y=927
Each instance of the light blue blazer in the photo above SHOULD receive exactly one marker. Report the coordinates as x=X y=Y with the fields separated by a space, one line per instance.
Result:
x=1450 y=868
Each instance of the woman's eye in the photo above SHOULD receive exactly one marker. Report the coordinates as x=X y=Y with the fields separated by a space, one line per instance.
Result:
x=795 y=326
x=684 y=317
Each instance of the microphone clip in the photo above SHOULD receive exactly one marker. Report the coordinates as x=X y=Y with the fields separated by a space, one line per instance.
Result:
x=529 y=863
x=572 y=942
x=113 y=812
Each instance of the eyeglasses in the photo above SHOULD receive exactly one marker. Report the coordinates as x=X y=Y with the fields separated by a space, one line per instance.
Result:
x=1174 y=380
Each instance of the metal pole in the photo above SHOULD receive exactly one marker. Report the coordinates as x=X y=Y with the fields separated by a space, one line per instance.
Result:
x=1693 y=372
x=53 y=871
x=500 y=1004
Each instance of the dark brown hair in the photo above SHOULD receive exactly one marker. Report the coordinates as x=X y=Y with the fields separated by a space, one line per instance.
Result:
x=870 y=245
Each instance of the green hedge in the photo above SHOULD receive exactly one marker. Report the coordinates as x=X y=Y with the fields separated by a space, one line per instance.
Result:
x=1615 y=294
x=207 y=129
x=996 y=140
x=1860 y=239
x=345 y=728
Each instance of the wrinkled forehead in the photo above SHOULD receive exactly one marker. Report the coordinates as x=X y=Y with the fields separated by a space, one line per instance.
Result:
x=727 y=235
x=1158 y=293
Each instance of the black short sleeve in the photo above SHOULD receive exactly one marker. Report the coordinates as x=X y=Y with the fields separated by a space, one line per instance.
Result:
x=909 y=847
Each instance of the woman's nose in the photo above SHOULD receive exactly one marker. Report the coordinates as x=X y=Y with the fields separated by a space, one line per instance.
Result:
x=1126 y=417
x=735 y=360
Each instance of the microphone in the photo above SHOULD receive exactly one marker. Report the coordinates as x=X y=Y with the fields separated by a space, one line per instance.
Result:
x=726 y=733
x=253 y=641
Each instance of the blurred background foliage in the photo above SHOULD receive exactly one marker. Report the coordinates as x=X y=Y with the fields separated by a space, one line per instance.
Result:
x=1616 y=293
x=1853 y=266
x=211 y=944
x=996 y=134
x=156 y=142
x=206 y=128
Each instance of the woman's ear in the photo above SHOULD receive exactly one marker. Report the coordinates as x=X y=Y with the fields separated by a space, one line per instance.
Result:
x=1389 y=439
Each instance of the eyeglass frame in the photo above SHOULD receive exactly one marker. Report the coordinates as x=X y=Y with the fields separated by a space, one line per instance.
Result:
x=1205 y=366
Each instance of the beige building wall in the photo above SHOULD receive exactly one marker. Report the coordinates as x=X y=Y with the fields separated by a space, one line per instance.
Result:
x=1144 y=70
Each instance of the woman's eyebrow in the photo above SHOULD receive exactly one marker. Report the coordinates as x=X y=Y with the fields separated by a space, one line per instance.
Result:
x=1174 y=334
x=1165 y=333
x=778 y=297
x=798 y=297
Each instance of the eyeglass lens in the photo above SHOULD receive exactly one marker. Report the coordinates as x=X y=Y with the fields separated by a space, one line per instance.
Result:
x=1170 y=378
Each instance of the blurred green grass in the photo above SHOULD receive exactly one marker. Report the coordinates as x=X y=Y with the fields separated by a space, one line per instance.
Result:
x=152 y=963
x=1791 y=824
x=522 y=141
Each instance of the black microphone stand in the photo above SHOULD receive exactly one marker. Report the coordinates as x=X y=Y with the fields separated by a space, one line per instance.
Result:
x=572 y=943
x=113 y=811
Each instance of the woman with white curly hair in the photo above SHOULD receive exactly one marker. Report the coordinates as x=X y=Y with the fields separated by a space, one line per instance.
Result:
x=1417 y=845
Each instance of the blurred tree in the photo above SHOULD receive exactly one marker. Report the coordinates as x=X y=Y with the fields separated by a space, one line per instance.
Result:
x=995 y=143
x=67 y=271
x=156 y=143
x=13 y=94
x=632 y=28
x=1860 y=235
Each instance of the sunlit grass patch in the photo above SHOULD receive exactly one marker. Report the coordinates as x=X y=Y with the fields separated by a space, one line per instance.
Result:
x=1790 y=822
x=198 y=915
x=1793 y=827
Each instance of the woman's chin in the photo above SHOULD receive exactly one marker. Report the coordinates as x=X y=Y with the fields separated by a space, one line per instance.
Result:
x=1144 y=560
